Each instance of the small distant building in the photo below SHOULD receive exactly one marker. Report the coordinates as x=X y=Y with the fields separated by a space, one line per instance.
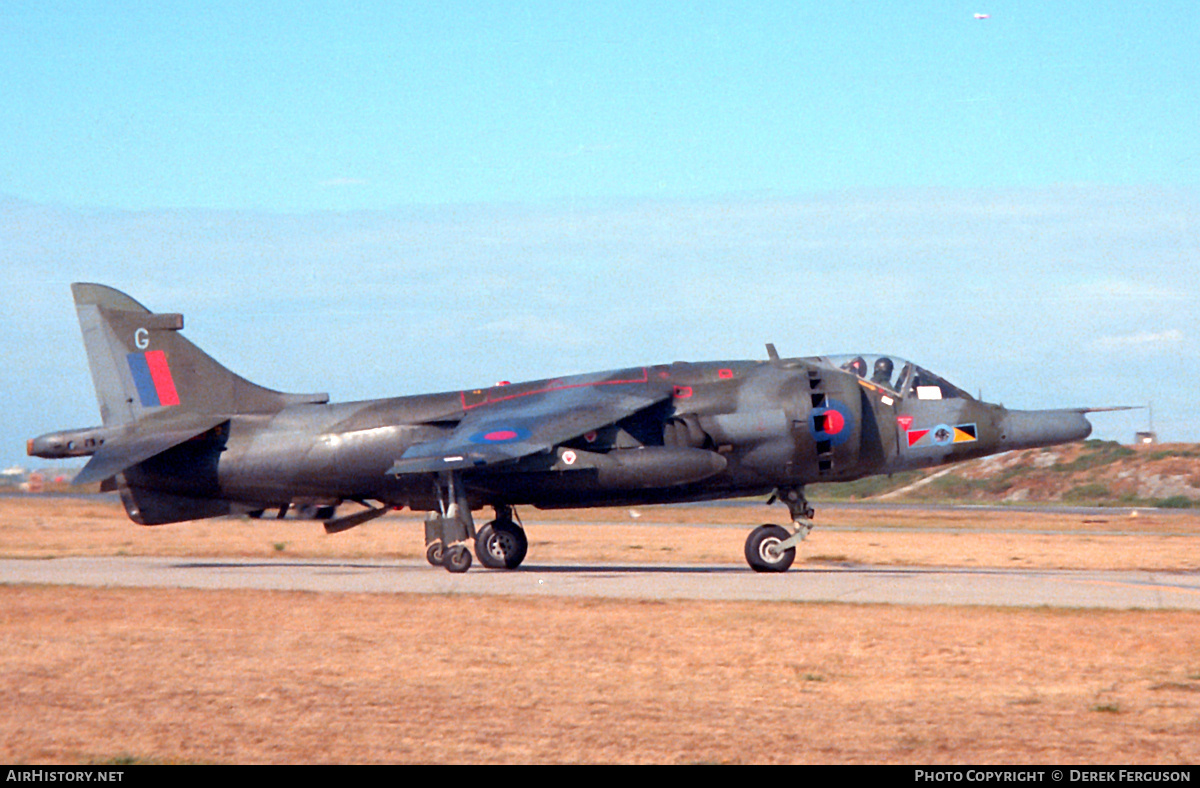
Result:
x=1145 y=437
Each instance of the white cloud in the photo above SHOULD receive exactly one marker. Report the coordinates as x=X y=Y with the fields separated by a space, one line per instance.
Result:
x=1142 y=340
x=1127 y=290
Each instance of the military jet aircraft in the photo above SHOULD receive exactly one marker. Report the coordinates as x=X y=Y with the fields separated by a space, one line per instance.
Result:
x=183 y=438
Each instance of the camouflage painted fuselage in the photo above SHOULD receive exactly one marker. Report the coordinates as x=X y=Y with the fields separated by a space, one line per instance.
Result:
x=184 y=438
x=722 y=429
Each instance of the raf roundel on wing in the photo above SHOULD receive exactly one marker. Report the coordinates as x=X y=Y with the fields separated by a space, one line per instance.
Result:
x=502 y=435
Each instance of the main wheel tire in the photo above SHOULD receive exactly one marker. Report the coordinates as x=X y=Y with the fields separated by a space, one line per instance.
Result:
x=458 y=559
x=762 y=549
x=501 y=544
x=434 y=553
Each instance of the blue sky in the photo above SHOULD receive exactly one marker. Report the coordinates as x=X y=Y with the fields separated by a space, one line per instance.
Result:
x=377 y=199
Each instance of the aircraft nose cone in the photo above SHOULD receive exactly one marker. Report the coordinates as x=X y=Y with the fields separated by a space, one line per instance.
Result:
x=1029 y=429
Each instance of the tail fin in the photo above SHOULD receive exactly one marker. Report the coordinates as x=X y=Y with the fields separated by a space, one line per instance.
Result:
x=142 y=366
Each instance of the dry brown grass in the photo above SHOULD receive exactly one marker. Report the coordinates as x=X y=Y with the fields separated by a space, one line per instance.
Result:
x=38 y=527
x=249 y=677
x=266 y=677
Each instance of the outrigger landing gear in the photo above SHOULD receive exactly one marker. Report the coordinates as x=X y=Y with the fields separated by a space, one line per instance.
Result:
x=771 y=548
x=448 y=529
x=434 y=553
x=501 y=544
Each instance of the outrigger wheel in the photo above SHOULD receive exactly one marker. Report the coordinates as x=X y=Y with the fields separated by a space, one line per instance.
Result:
x=457 y=559
x=501 y=544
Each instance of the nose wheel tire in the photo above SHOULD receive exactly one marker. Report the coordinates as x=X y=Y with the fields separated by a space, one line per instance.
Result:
x=434 y=553
x=501 y=544
x=763 y=552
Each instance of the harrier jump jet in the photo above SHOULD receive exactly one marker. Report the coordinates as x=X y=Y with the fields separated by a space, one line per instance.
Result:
x=183 y=438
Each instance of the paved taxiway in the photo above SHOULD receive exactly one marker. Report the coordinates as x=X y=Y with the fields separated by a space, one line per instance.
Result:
x=810 y=583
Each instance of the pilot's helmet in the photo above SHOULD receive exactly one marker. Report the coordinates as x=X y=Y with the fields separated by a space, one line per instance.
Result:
x=858 y=366
x=882 y=374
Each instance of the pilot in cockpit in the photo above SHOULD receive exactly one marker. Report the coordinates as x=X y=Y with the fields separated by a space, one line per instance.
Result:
x=882 y=376
x=858 y=366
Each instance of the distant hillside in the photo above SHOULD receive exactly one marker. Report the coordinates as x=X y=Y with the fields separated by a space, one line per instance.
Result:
x=1093 y=473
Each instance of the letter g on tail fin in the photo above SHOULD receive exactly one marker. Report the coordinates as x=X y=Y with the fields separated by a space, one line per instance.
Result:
x=141 y=365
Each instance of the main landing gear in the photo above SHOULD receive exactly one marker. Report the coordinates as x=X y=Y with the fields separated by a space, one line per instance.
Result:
x=772 y=548
x=501 y=544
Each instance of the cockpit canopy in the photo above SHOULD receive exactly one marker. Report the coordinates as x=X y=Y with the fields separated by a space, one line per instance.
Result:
x=897 y=375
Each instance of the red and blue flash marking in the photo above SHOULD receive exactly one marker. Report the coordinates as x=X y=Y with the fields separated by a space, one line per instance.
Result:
x=152 y=377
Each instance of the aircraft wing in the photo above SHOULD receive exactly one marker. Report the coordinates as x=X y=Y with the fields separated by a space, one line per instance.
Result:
x=137 y=445
x=510 y=428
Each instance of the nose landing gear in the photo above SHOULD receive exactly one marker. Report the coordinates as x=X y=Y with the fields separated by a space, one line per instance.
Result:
x=772 y=548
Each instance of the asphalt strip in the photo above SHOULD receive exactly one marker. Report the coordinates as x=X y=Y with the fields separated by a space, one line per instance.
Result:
x=853 y=583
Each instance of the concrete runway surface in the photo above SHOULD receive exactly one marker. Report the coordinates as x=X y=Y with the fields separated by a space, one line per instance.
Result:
x=811 y=583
